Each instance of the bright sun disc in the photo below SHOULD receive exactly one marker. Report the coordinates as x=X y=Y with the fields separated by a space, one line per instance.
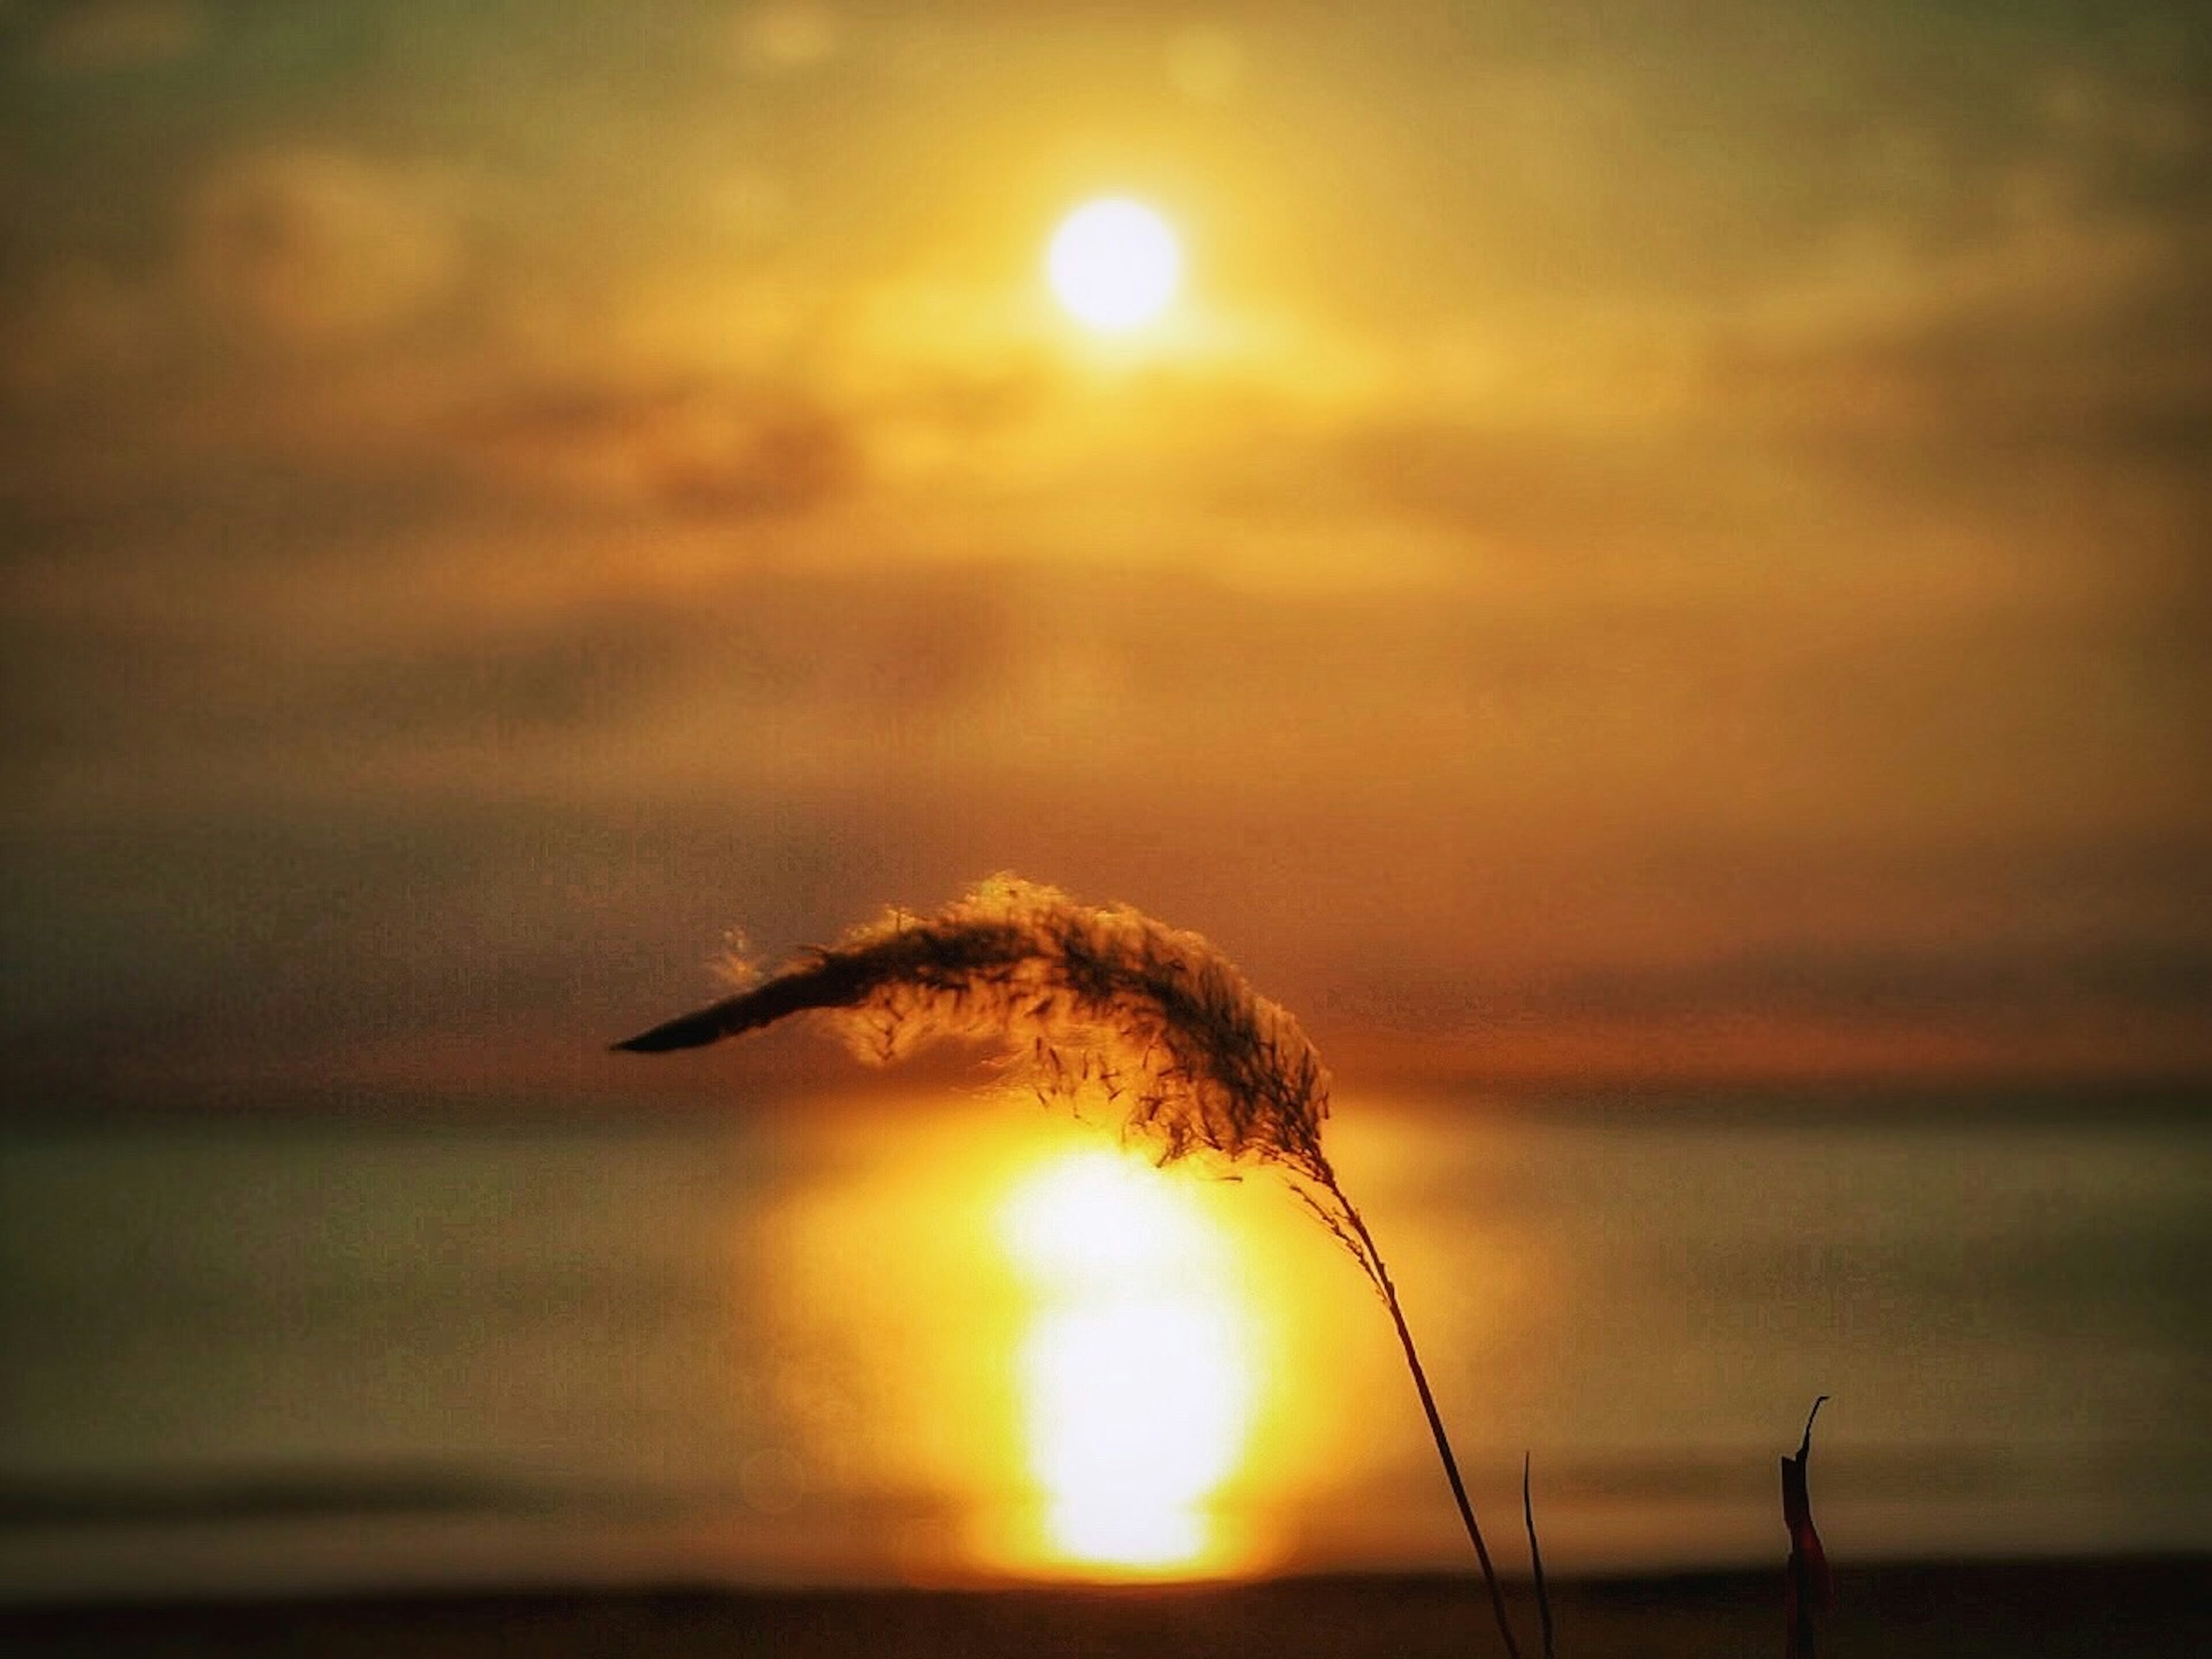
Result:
x=1114 y=263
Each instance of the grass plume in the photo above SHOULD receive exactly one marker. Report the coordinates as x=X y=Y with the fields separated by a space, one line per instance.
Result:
x=1088 y=1001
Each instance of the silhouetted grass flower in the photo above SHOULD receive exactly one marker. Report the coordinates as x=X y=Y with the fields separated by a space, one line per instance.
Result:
x=1095 y=1001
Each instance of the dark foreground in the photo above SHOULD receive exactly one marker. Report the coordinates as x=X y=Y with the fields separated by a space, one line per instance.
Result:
x=2109 y=1610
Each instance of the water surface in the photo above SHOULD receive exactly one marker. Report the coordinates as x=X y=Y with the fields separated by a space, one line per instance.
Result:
x=804 y=1344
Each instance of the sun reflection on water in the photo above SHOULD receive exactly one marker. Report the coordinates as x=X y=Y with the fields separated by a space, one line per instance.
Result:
x=1044 y=1356
x=1137 y=1385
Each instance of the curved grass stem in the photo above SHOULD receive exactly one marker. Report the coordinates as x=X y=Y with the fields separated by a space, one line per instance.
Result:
x=1381 y=1275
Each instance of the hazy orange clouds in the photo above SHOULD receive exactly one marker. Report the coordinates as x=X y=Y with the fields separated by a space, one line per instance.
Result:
x=1638 y=550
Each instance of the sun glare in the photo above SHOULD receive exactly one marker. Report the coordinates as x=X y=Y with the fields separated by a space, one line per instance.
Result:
x=1136 y=1381
x=1114 y=263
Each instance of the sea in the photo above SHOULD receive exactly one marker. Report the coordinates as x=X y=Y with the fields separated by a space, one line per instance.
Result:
x=952 y=1338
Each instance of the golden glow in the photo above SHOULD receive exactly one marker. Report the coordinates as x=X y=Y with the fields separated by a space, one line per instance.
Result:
x=1136 y=1381
x=1115 y=264
x=1085 y=1366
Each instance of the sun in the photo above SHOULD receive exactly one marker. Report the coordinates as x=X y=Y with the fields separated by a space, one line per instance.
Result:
x=1114 y=263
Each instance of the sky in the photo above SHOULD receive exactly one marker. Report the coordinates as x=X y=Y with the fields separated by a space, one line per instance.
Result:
x=1656 y=544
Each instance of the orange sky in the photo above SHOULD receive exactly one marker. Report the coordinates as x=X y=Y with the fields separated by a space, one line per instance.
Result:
x=1655 y=542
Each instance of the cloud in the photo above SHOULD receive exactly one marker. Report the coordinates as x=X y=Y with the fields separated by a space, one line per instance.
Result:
x=1653 y=841
x=102 y=691
x=1927 y=982
x=103 y=36
x=703 y=447
x=77 y=326
x=1206 y=62
x=317 y=246
x=288 y=683
x=2061 y=323
x=787 y=36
